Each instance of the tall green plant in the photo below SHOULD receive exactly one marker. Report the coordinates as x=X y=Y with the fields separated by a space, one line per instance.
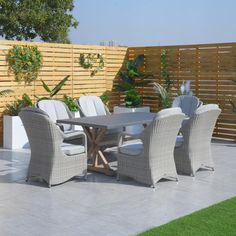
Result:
x=131 y=80
x=232 y=103
x=164 y=91
x=54 y=91
x=164 y=70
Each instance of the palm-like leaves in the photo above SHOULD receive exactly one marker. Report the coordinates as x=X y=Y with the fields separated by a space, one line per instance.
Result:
x=233 y=103
x=233 y=106
x=163 y=94
x=132 y=78
x=5 y=92
x=55 y=90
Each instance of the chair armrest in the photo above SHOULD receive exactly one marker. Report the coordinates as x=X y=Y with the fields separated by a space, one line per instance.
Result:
x=131 y=136
x=60 y=126
x=84 y=137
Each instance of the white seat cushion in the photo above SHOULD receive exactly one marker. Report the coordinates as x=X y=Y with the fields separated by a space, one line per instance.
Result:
x=92 y=106
x=179 y=141
x=56 y=111
x=132 y=149
x=70 y=149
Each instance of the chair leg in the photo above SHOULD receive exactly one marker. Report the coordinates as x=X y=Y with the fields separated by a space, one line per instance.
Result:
x=210 y=168
x=118 y=177
x=153 y=186
x=85 y=176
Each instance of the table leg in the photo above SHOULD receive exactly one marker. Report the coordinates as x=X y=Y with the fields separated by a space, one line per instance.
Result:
x=95 y=136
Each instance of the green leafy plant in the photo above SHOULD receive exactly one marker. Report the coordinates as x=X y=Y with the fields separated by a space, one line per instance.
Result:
x=54 y=91
x=24 y=62
x=71 y=103
x=164 y=95
x=131 y=80
x=164 y=92
x=49 y=21
x=105 y=97
x=132 y=98
x=15 y=107
x=233 y=103
x=88 y=61
x=164 y=71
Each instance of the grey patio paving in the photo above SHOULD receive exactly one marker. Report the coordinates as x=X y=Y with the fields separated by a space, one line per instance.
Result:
x=103 y=206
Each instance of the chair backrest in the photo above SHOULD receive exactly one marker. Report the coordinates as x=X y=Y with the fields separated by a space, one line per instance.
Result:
x=56 y=110
x=160 y=135
x=92 y=106
x=199 y=129
x=188 y=104
x=44 y=136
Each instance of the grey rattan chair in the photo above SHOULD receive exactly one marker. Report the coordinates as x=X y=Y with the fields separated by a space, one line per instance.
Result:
x=57 y=110
x=188 y=104
x=152 y=159
x=193 y=150
x=51 y=159
x=93 y=106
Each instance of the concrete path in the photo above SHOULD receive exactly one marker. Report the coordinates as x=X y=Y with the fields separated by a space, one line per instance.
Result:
x=103 y=206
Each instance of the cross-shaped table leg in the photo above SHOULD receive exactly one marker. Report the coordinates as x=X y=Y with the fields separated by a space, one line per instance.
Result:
x=95 y=154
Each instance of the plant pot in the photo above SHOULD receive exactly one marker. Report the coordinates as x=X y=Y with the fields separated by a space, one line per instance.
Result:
x=14 y=135
x=133 y=129
x=76 y=115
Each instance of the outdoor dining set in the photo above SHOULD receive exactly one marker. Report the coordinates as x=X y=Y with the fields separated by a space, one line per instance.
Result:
x=173 y=141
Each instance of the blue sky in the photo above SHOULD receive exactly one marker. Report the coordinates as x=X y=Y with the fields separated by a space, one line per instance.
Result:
x=154 y=22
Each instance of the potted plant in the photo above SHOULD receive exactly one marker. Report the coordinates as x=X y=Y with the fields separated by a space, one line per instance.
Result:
x=14 y=135
x=131 y=80
x=72 y=105
x=74 y=109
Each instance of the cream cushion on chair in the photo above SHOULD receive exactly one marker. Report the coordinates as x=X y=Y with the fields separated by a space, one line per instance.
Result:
x=56 y=110
x=132 y=148
x=92 y=106
x=70 y=149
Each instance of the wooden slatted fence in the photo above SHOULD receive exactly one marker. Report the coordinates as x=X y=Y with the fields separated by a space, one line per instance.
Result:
x=60 y=60
x=210 y=68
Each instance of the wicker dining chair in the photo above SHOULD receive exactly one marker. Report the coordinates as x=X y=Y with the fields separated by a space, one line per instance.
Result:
x=188 y=104
x=193 y=149
x=93 y=106
x=58 y=110
x=51 y=159
x=152 y=158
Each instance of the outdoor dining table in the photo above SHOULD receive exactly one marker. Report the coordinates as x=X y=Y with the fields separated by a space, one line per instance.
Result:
x=96 y=127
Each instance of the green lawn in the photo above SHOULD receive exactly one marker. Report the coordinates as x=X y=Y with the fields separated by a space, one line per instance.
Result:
x=219 y=219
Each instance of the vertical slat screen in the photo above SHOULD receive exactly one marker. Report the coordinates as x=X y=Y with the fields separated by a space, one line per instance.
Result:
x=211 y=68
